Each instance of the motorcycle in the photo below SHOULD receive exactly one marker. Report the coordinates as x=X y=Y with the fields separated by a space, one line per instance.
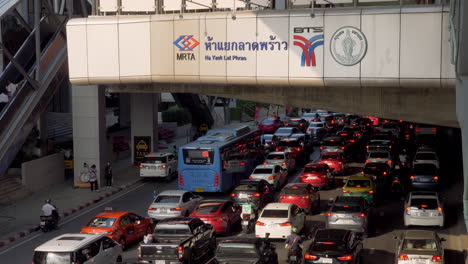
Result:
x=295 y=256
x=49 y=223
x=249 y=217
x=397 y=187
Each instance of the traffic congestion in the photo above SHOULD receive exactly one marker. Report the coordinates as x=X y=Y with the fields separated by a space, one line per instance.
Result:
x=320 y=188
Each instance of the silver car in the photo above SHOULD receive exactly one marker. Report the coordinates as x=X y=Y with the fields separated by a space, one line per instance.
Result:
x=172 y=204
x=349 y=212
x=419 y=247
x=423 y=209
x=283 y=132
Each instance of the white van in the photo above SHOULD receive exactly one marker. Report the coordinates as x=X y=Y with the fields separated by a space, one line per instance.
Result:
x=79 y=248
x=161 y=165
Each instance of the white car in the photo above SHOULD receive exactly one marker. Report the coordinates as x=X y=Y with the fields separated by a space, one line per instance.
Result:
x=172 y=204
x=426 y=156
x=309 y=116
x=423 y=209
x=281 y=158
x=419 y=247
x=159 y=165
x=380 y=156
x=278 y=219
x=79 y=248
x=273 y=174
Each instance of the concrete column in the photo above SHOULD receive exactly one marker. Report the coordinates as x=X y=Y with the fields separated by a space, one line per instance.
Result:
x=89 y=129
x=1 y=50
x=144 y=119
x=42 y=128
x=124 y=116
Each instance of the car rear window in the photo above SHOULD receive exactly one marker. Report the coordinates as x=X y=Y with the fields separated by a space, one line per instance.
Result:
x=425 y=156
x=275 y=213
x=333 y=142
x=358 y=183
x=246 y=187
x=241 y=250
x=341 y=208
x=267 y=121
x=330 y=157
x=289 y=143
x=275 y=157
x=380 y=137
x=52 y=257
x=420 y=244
x=378 y=155
x=314 y=169
x=154 y=160
x=263 y=171
x=208 y=208
x=389 y=126
x=294 y=191
x=101 y=222
x=316 y=125
x=425 y=169
x=424 y=203
x=328 y=247
x=376 y=167
x=284 y=130
x=167 y=199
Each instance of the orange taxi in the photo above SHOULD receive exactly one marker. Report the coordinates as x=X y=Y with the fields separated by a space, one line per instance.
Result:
x=124 y=227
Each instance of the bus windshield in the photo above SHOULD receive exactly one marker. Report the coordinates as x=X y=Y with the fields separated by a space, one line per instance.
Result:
x=198 y=156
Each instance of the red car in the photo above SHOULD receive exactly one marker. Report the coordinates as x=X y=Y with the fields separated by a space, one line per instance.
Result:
x=303 y=195
x=269 y=125
x=317 y=174
x=335 y=160
x=223 y=215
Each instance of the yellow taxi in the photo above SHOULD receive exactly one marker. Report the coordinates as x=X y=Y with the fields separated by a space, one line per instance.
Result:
x=360 y=185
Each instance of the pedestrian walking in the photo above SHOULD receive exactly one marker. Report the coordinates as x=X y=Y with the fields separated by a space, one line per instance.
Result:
x=108 y=174
x=93 y=178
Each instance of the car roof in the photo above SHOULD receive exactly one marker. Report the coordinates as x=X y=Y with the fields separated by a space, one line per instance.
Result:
x=280 y=206
x=316 y=165
x=214 y=201
x=173 y=192
x=176 y=220
x=68 y=242
x=349 y=200
x=158 y=154
x=420 y=234
x=359 y=177
x=296 y=184
x=424 y=195
x=277 y=152
x=379 y=151
x=240 y=240
x=290 y=139
x=266 y=166
x=251 y=182
x=113 y=214
x=376 y=164
x=333 y=138
x=330 y=235
x=332 y=153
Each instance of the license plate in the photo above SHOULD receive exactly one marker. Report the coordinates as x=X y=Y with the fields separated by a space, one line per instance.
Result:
x=419 y=261
x=311 y=177
x=424 y=179
x=163 y=210
x=247 y=208
x=326 y=260
x=347 y=222
x=160 y=262
x=199 y=190
x=424 y=214
x=293 y=258
x=243 y=196
x=42 y=223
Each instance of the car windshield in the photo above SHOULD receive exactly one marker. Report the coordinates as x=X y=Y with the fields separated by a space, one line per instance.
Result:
x=425 y=156
x=309 y=115
x=289 y=143
x=173 y=230
x=328 y=247
x=263 y=171
x=275 y=213
x=314 y=169
x=424 y=203
x=420 y=244
x=378 y=155
x=101 y=222
x=330 y=157
x=284 y=130
x=342 y=208
x=52 y=257
x=425 y=169
x=333 y=142
x=358 y=183
x=167 y=199
x=154 y=160
x=208 y=208
x=267 y=137
x=294 y=191
x=237 y=249
x=275 y=157
x=379 y=142
x=268 y=121
x=316 y=125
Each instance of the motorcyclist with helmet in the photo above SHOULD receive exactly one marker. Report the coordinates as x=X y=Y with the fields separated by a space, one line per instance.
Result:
x=293 y=245
x=50 y=212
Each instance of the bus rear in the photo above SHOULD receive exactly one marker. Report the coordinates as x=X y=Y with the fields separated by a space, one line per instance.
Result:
x=200 y=170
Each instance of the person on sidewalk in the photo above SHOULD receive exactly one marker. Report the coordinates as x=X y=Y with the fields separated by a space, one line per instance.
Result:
x=84 y=173
x=93 y=180
x=108 y=174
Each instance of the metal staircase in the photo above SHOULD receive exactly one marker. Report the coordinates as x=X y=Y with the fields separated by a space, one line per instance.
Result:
x=198 y=111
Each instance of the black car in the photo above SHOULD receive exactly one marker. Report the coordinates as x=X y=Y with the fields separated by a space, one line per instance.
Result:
x=255 y=191
x=380 y=170
x=336 y=246
x=300 y=123
x=246 y=251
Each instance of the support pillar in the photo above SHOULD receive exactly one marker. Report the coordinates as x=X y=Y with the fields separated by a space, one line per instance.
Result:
x=89 y=130
x=144 y=122
x=124 y=113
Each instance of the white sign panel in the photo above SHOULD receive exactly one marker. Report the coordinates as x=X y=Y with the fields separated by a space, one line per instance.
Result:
x=212 y=53
x=138 y=6
x=108 y=6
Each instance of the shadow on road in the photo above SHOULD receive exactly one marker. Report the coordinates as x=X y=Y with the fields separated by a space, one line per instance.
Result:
x=372 y=256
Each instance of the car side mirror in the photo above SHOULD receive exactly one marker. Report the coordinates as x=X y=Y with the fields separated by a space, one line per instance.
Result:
x=443 y=240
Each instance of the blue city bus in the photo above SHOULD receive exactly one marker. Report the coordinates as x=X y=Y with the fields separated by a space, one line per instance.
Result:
x=205 y=165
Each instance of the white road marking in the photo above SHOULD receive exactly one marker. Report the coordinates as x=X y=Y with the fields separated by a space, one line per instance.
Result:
x=74 y=217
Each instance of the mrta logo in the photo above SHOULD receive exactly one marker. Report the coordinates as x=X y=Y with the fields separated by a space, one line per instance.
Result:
x=186 y=43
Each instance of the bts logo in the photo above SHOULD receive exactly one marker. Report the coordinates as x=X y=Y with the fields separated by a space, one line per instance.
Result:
x=186 y=43
x=308 y=49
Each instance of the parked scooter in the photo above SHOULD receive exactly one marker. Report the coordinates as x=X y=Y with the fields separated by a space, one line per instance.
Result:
x=249 y=217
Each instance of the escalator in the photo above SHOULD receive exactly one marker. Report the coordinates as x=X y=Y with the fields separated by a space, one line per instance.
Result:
x=23 y=111
x=197 y=109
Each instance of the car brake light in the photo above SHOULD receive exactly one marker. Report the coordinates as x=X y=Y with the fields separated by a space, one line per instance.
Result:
x=309 y=129
x=384 y=173
x=433 y=129
x=282 y=197
x=283 y=163
x=360 y=215
x=181 y=179
x=286 y=224
x=226 y=164
x=265 y=163
x=345 y=191
x=411 y=177
x=389 y=162
x=408 y=210
x=250 y=177
x=403 y=257
x=329 y=214
x=151 y=208
x=322 y=147
x=164 y=166
x=242 y=163
x=216 y=181
x=435 y=178
x=370 y=192
x=367 y=146
x=260 y=223
x=233 y=194
x=271 y=177
x=352 y=140
x=180 y=253
x=308 y=256
x=305 y=196
x=440 y=210
x=417 y=130
x=256 y=195
x=347 y=257
x=138 y=255
x=176 y=209
x=436 y=258
x=141 y=166
x=341 y=147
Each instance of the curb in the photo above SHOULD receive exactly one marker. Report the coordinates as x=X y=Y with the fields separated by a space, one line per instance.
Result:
x=20 y=235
